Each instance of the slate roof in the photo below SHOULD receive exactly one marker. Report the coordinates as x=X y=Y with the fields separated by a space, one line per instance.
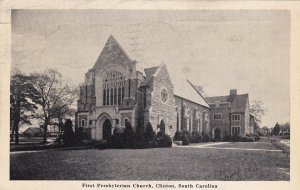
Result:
x=238 y=102
x=150 y=71
x=182 y=87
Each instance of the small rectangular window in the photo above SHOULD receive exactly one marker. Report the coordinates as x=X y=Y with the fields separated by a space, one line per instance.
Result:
x=235 y=130
x=217 y=116
x=212 y=105
x=236 y=117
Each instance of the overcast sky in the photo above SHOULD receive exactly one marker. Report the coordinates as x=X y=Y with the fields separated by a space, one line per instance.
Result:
x=219 y=50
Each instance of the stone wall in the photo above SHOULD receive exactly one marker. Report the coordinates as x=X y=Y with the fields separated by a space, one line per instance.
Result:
x=240 y=123
x=194 y=120
x=224 y=123
x=158 y=110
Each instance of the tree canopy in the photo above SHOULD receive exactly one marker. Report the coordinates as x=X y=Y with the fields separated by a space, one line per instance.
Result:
x=257 y=110
x=24 y=98
x=57 y=97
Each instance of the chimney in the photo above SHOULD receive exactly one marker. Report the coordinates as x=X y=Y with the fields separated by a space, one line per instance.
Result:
x=233 y=92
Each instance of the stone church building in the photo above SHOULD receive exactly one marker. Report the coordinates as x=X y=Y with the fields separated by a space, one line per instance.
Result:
x=115 y=92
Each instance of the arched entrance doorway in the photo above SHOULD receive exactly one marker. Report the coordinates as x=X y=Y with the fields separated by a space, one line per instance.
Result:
x=162 y=127
x=217 y=133
x=106 y=129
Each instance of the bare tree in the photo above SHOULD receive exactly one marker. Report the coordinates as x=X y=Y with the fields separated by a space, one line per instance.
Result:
x=56 y=96
x=258 y=111
x=199 y=89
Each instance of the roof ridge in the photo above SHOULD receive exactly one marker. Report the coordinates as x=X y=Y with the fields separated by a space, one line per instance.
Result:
x=227 y=95
x=198 y=92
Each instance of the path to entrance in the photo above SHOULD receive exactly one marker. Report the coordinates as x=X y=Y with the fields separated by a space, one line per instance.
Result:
x=212 y=146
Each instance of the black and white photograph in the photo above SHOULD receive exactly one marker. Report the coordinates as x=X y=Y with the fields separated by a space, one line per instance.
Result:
x=150 y=95
x=160 y=97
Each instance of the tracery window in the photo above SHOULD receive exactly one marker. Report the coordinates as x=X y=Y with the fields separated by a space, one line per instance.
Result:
x=113 y=88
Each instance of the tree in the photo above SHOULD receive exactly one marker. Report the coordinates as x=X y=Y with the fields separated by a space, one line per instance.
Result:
x=257 y=110
x=61 y=114
x=56 y=96
x=285 y=127
x=24 y=98
x=276 y=129
x=68 y=135
x=200 y=90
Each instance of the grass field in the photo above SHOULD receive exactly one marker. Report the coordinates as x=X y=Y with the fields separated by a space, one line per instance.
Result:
x=152 y=164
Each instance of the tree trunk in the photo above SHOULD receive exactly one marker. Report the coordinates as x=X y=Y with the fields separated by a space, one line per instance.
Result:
x=45 y=132
x=16 y=127
x=12 y=132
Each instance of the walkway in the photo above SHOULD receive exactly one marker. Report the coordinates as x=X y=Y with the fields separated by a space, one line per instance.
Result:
x=213 y=146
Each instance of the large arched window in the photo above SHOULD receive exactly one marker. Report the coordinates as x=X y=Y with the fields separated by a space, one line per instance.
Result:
x=113 y=88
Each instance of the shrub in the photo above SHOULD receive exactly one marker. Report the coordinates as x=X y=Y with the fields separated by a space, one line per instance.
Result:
x=205 y=137
x=163 y=140
x=236 y=138
x=68 y=136
x=138 y=141
x=196 y=137
x=128 y=136
x=178 y=136
x=117 y=139
x=150 y=137
x=256 y=137
x=185 y=140
x=79 y=134
x=227 y=138
x=253 y=136
x=188 y=134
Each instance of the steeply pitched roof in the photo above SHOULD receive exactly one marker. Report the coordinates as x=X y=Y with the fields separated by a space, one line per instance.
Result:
x=112 y=45
x=238 y=102
x=184 y=89
x=150 y=71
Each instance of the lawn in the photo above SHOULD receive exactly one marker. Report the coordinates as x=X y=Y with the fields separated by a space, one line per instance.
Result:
x=150 y=164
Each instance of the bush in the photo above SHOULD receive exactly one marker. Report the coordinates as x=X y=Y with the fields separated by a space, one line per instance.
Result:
x=79 y=134
x=227 y=138
x=196 y=137
x=236 y=138
x=205 y=137
x=117 y=139
x=139 y=141
x=128 y=136
x=163 y=140
x=178 y=136
x=150 y=137
x=188 y=134
x=253 y=136
x=68 y=136
x=185 y=139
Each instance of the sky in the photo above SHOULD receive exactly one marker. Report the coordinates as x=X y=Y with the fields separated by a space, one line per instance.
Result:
x=219 y=49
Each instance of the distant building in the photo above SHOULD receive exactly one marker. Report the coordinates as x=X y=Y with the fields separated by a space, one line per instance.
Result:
x=115 y=91
x=33 y=132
